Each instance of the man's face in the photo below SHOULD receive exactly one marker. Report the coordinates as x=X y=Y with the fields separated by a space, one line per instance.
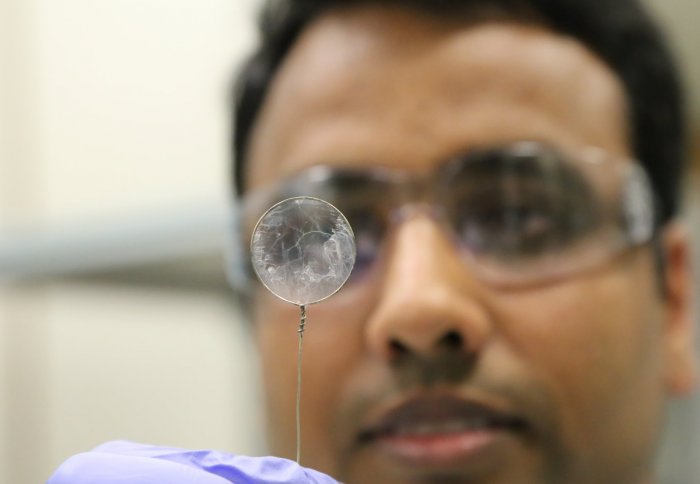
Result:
x=561 y=382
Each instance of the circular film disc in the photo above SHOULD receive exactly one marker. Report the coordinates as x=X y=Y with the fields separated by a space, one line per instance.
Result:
x=303 y=250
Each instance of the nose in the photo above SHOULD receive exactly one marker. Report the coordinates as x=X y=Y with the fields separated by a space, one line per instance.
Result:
x=428 y=302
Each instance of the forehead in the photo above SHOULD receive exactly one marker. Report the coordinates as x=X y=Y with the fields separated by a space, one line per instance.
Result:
x=387 y=86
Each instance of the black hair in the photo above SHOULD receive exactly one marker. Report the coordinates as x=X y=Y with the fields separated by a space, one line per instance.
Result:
x=620 y=32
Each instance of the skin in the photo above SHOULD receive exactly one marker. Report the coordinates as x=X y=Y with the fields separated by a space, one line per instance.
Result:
x=589 y=360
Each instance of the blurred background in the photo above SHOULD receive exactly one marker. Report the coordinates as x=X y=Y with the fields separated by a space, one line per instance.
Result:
x=114 y=141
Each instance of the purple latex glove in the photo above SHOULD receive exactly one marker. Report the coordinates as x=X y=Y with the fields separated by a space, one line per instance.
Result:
x=129 y=463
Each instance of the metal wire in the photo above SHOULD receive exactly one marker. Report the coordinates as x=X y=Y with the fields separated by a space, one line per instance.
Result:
x=300 y=331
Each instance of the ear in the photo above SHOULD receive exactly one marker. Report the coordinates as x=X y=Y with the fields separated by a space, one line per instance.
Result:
x=679 y=342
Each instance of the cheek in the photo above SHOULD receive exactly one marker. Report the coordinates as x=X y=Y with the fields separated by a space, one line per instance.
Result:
x=595 y=345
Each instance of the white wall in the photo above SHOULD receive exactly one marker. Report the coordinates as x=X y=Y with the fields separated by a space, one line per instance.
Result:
x=111 y=109
x=128 y=101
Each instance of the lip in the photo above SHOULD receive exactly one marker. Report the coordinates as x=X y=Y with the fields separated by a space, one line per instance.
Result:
x=442 y=430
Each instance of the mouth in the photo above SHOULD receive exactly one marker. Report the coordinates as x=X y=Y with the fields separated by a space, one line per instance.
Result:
x=437 y=431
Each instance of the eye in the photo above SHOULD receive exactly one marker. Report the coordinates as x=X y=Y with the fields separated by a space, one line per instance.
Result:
x=493 y=222
x=369 y=227
x=530 y=221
